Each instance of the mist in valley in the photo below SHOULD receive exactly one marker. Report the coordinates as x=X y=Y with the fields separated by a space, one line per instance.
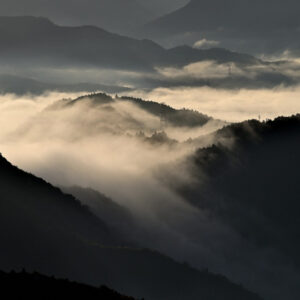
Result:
x=115 y=147
x=169 y=141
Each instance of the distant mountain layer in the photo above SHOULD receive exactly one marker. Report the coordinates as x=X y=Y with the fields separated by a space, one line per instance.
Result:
x=121 y=16
x=36 y=286
x=237 y=15
x=21 y=85
x=47 y=231
x=252 y=26
x=116 y=15
x=38 y=42
x=161 y=7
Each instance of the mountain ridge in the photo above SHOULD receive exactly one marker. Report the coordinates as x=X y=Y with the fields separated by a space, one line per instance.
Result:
x=253 y=26
x=103 y=13
x=71 y=244
x=23 y=284
x=248 y=181
x=67 y=46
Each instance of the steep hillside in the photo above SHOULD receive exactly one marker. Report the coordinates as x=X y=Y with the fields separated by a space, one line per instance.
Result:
x=35 y=286
x=115 y=216
x=249 y=182
x=211 y=15
x=44 y=230
x=257 y=179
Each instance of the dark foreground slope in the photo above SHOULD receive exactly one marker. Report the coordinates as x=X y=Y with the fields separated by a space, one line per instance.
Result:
x=37 y=286
x=44 y=230
x=252 y=186
x=113 y=214
x=258 y=180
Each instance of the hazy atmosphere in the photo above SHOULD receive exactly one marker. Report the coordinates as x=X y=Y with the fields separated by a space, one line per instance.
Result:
x=150 y=147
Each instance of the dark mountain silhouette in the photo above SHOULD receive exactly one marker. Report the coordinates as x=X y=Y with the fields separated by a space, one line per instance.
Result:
x=44 y=230
x=233 y=20
x=253 y=187
x=39 y=42
x=262 y=180
x=109 y=14
x=35 y=286
x=211 y=15
x=175 y=117
x=114 y=215
x=22 y=85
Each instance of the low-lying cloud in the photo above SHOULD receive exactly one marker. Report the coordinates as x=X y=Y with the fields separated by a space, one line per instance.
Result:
x=99 y=145
x=282 y=71
x=230 y=105
x=233 y=75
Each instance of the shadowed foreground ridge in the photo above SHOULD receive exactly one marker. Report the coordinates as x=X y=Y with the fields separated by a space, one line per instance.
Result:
x=252 y=186
x=44 y=230
x=35 y=285
x=258 y=174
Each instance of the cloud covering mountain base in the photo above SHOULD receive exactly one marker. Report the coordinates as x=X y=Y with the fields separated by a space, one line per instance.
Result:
x=230 y=105
x=101 y=142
